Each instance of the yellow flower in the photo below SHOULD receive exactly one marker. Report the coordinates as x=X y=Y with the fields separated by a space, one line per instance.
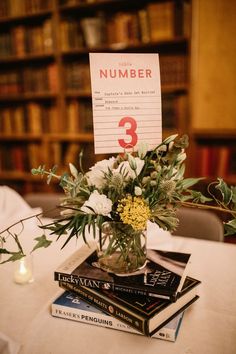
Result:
x=134 y=211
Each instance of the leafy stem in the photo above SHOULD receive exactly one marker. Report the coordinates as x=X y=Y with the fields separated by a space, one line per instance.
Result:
x=13 y=255
x=21 y=221
x=51 y=174
x=207 y=206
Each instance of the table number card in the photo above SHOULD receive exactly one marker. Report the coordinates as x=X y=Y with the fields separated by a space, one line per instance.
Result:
x=126 y=97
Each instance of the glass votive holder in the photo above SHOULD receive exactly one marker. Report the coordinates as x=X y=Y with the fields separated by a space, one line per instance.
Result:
x=23 y=273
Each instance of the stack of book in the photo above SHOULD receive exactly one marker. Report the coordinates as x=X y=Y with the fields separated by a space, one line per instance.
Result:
x=150 y=301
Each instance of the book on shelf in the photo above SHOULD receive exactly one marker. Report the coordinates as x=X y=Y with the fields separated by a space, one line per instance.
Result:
x=174 y=110
x=68 y=305
x=34 y=118
x=144 y=28
x=186 y=19
x=72 y=152
x=163 y=275
x=49 y=117
x=73 y=117
x=23 y=7
x=223 y=161
x=85 y=109
x=93 y=31
x=77 y=77
x=18 y=40
x=145 y=314
x=47 y=35
x=18 y=155
x=79 y=116
x=41 y=79
x=126 y=28
x=232 y=162
x=14 y=157
x=216 y=161
x=6 y=121
x=52 y=78
x=161 y=20
x=19 y=120
x=55 y=153
x=71 y=36
x=34 y=155
x=174 y=70
x=10 y=82
x=24 y=39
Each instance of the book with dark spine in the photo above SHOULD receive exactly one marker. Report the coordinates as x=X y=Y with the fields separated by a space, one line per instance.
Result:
x=163 y=275
x=145 y=314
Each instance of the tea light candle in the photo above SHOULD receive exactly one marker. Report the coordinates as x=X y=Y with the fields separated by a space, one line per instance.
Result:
x=23 y=273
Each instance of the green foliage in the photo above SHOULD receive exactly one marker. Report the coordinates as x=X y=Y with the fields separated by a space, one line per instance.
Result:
x=197 y=197
x=154 y=179
x=15 y=256
x=42 y=242
x=189 y=182
x=226 y=192
x=230 y=227
x=165 y=218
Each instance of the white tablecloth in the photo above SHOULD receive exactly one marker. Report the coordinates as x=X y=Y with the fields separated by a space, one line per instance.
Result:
x=209 y=325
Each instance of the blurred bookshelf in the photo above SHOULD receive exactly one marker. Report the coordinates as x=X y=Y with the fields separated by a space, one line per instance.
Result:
x=45 y=93
x=217 y=155
x=213 y=105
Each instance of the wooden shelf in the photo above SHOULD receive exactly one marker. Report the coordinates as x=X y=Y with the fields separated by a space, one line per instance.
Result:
x=37 y=96
x=212 y=134
x=26 y=17
x=16 y=175
x=84 y=137
x=78 y=94
x=101 y=4
x=28 y=58
x=20 y=137
x=179 y=42
x=50 y=111
x=78 y=137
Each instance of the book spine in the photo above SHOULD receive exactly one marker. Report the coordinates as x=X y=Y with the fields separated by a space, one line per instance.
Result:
x=107 y=321
x=109 y=307
x=78 y=315
x=102 y=320
x=100 y=284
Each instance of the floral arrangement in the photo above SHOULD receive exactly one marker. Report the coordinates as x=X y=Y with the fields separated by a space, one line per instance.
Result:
x=131 y=188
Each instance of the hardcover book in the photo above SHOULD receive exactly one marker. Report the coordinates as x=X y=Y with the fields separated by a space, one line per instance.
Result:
x=163 y=275
x=69 y=306
x=145 y=314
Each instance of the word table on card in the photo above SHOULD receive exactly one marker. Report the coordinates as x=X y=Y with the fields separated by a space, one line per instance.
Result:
x=126 y=97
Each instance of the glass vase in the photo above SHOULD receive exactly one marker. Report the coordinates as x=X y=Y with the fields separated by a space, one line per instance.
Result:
x=121 y=249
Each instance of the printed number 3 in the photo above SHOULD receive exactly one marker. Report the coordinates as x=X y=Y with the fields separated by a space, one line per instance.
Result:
x=129 y=131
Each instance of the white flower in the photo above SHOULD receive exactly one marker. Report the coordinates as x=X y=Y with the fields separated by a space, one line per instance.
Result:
x=171 y=145
x=137 y=190
x=73 y=170
x=124 y=167
x=97 y=204
x=142 y=149
x=96 y=175
x=132 y=162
